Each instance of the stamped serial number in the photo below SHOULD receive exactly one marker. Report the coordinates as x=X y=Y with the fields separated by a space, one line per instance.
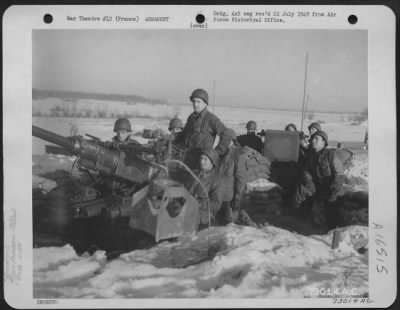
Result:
x=47 y=301
x=351 y=300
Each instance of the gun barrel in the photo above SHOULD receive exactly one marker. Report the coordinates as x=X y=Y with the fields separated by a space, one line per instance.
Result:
x=52 y=137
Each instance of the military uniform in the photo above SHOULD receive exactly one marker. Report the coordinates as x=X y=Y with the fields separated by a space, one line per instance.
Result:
x=233 y=180
x=199 y=133
x=212 y=182
x=321 y=185
x=202 y=128
x=251 y=140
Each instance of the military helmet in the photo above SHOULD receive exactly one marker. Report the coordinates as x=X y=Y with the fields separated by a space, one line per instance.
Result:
x=251 y=125
x=175 y=123
x=314 y=125
x=291 y=125
x=122 y=124
x=199 y=93
x=321 y=134
x=211 y=154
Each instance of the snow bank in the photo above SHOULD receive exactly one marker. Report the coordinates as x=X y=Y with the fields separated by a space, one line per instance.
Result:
x=222 y=262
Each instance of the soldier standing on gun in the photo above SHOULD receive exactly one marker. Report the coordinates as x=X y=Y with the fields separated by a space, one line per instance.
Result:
x=251 y=139
x=201 y=129
x=321 y=184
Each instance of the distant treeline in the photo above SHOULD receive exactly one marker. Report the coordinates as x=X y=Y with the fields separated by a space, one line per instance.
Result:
x=73 y=96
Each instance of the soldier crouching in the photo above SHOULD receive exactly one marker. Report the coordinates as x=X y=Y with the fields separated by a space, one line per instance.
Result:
x=321 y=184
x=210 y=204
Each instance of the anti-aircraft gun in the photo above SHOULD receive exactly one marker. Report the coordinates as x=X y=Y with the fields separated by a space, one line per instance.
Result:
x=127 y=192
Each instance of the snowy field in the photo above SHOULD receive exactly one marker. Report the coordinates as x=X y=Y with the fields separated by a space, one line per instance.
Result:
x=337 y=125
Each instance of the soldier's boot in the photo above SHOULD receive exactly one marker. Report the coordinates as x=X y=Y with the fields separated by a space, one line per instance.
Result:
x=244 y=219
x=224 y=215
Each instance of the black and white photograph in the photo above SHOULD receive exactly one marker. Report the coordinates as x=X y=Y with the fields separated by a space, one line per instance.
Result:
x=187 y=163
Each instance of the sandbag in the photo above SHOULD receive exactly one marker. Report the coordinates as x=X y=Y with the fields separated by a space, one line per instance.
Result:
x=253 y=164
x=345 y=156
x=262 y=185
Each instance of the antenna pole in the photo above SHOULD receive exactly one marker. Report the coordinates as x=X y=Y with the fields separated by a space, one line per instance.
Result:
x=304 y=93
x=214 y=104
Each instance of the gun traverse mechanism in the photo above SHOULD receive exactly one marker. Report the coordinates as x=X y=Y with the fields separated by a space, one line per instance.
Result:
x=123 y=191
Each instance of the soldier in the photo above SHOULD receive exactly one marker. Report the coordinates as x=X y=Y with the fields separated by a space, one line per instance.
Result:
x=291 y=127
x=175 y=128
x=322 y=183
x=234 y=175
x=175 y=125
x=232 y=182
x=251 y=139
x=209 y=177
x=201 y=129
x=123 y=130
x=304 y=147
x=313 y=128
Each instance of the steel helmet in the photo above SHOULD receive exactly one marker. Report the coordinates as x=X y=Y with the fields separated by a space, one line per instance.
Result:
x=122 y=124
x=251 y=125
x=199 y=93
x=291 y=125
x=175 y=123
x=314 y=125
x=321 y=134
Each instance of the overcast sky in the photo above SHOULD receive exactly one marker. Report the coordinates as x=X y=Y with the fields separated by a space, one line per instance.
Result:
x=260 y=68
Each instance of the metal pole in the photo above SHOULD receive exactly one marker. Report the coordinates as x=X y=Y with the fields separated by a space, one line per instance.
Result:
x=304 y=93
x=306 y=107
x=214 y=104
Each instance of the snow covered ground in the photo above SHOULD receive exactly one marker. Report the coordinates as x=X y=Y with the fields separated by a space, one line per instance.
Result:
x=223 y=262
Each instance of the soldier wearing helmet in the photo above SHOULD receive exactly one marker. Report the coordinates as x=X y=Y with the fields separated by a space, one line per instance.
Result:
x=175 y=125
x=313 y=128
x=322 y=183
x=202 y=127
x=210 y=202
x=251 y=139
x=123 y=130
x=291 y=127
x=175 y=128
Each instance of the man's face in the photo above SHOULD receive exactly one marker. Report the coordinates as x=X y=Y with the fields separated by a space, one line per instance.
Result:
x=176 y=130
x=198 y=105
x=318 y=143
x=290 y=128
x=205 y=163
x=312 y=130
x=122 y=135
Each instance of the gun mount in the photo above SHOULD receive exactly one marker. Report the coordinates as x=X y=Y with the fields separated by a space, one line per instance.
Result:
x=121 y=199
